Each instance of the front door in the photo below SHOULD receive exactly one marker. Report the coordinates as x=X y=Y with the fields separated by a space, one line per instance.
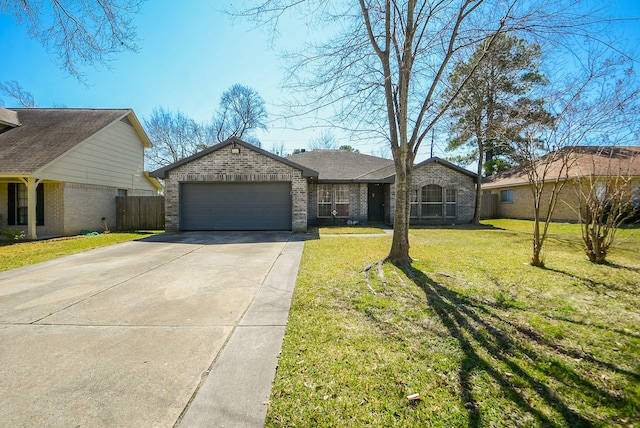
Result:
x=375 y=210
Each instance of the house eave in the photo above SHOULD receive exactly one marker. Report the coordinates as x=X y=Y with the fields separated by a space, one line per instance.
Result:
x=162 y=172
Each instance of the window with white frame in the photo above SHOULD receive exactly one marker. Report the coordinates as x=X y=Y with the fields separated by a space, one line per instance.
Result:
x=506 y=195
x=333 y=197
x=451 y=200
x=325 y=200
x=432 y=201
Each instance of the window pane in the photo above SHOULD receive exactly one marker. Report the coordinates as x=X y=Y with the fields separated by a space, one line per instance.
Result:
x=432 y=193
x=342 y=194
x=414 y=203
x=433 y=210
x=22 y=204
x=636 y=194
x=451 y=195
x=601 y=188
x=324 y=210
x=324 y=193
x=451 y=198
x=506 y=196
x=343 y=210
x=432 y=201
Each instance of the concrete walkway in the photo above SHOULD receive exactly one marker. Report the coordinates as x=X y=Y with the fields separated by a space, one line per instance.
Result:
x=177 y=329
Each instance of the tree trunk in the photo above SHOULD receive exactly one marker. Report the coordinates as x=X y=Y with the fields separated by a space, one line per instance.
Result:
x=399 y=253
x=477 y=208
x=536 y=259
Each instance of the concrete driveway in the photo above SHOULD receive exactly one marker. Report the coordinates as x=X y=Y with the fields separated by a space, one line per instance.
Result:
x=174 y=329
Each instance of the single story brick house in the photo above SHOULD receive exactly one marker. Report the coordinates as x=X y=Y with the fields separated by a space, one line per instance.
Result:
x=237 y=186
x=585 y=167
x=61 y=169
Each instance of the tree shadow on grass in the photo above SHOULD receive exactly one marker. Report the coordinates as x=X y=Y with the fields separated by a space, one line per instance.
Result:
x=498 y=347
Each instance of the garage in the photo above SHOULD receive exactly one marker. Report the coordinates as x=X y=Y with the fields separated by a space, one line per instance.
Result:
x=235 y=206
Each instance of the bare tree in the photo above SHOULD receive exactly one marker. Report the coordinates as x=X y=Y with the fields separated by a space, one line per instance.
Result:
x=241 y=113
x=384 y=66
x=14 y=90
x=278 y=149
x=606 y=197
x=174 y=137
x=325 y=141
x=78 y=33
x=601 y=104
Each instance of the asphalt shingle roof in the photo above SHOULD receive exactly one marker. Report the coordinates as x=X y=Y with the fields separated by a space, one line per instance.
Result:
x=341 y=165
x=598 y=161
x=46 y=134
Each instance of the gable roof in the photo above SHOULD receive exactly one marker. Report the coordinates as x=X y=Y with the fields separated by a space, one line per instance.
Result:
x=343 y=166
x=162 y=172
x=597 y=161
x=44 y=134
x=447 y=164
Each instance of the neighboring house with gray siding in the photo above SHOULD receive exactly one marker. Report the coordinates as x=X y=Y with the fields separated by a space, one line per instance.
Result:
x=61 y=169
x=237 y=186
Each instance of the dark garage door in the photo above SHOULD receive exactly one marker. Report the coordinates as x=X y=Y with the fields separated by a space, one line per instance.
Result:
x=235 y=206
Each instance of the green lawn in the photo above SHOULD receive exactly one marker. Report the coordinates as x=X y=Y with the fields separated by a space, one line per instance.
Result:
x=18 y=254
x=349 y=230
x=484 y=338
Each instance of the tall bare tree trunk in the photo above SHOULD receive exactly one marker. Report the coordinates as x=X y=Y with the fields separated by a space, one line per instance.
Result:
x=399 y=253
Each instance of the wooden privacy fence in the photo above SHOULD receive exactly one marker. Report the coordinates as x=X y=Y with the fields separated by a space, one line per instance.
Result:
x=489 y=206
x=139 y=212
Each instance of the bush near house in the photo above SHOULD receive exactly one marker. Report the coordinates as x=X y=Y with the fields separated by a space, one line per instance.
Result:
x=481 y=336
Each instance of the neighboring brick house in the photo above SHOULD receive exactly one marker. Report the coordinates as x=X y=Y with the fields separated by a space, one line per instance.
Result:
x=237 y=186
x=587 y=167
x=61 y=169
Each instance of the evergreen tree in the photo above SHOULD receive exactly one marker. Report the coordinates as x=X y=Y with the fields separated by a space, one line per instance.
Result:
x=493 y=87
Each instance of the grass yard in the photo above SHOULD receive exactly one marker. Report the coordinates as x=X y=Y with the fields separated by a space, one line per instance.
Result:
x=18 y=254
x=349 y=230
x=484 y=338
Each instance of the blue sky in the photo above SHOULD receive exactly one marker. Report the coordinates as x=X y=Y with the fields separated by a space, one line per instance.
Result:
x=190 y=53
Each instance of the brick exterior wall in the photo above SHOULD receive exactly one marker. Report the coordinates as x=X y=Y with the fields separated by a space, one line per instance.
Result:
x=358 y=204
x=72 y=207
x=447 y=178
x=224 y=166
x=566 y=210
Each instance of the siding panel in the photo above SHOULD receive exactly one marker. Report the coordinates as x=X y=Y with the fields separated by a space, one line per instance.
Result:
x=112 y=157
